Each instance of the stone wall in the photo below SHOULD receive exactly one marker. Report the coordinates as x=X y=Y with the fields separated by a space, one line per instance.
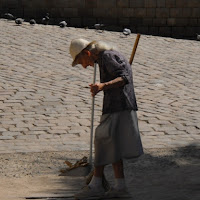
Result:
x=176 y=18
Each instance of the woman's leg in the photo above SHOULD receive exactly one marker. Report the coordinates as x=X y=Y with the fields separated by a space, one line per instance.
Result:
x=119 y=175
x=119 y=190
x=118 y=169
x=96 y=182
x=98 y=171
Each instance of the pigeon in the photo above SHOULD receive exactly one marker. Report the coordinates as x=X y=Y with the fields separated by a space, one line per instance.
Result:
x=126 y=31
x=19 y=21
x=32 y=22
x=198 y=37
x=45 y=19
x=63 y=24
x=9 y=16
x=99 y=27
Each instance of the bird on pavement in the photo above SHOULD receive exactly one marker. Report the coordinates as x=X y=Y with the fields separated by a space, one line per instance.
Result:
x=19 y=21
x=126 y=31
x=45 y=19
x=99 y=27
x=32 y=22
x=9 y=16
x=198 y=37
x=63 y=24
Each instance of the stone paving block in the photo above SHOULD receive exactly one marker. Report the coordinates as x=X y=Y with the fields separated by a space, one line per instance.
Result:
x=106 y=4
x=137 y=3
x=165 y=128
x=85 y=12
x=122 y=3
x=193 y=22
x=153 y=133
x=88 y=21
x=150 y=3
x=75 y=3
x=76 y=132
x=56 y=131
x=84 y=122
x=176 y=12
x=171 y=21
x=124 y=21
x=161 y=3
x=148 y=22
x=160 y=22
x=23 y=125
x=195 y=12
x=8 y=122
x=2 y=129
x=162 y=12
x=46 y=136
x=37 y=132
x=187 y=12
x=6 y=137
x=90 y=3
x=192 y=130
x=32 y=129
x=172 y=132
x=142 y=29
x=153 y=30
x=11 y=133
x=178 y=30
x=145 y=128
x=165 y=31
x=193 y=3
x=26 y=137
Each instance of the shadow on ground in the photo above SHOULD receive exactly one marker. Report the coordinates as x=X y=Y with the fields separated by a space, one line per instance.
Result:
x=166 y=174
x=160 y=174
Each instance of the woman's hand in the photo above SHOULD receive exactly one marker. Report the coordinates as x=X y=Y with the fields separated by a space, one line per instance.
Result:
x=95 y=88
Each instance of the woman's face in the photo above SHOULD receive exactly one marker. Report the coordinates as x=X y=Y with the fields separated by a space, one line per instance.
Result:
x=85 y=59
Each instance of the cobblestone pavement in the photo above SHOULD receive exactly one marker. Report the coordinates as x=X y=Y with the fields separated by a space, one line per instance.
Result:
x=45 y=104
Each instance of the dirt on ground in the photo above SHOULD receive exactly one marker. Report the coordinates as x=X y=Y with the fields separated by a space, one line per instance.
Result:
x=171 y=174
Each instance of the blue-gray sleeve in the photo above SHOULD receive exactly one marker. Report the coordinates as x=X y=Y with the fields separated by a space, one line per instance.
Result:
x=116 y=66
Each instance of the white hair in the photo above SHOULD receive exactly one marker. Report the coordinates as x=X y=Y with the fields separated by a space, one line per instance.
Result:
x=101 y=46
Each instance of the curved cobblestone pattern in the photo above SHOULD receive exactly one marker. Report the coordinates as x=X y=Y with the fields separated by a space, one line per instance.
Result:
x=45 y=104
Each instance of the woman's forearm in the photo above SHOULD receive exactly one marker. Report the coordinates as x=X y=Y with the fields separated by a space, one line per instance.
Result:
x=118 y=82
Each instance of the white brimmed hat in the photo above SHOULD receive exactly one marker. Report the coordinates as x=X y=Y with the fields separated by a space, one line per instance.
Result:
x=76 y=46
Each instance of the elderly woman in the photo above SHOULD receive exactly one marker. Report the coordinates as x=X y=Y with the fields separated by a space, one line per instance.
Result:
x=117 y=137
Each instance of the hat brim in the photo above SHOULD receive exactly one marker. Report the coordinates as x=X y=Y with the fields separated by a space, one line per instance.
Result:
x=75 y=62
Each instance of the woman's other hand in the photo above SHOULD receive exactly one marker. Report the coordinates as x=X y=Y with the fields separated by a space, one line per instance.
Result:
x=95 y=88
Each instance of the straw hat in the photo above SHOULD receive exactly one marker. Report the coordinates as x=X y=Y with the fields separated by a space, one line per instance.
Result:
x=76 y=46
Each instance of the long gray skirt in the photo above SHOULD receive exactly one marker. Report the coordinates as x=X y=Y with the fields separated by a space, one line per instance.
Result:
x=117 y=137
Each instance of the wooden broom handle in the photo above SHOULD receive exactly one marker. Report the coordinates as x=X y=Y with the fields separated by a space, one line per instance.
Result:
x=134 y=49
